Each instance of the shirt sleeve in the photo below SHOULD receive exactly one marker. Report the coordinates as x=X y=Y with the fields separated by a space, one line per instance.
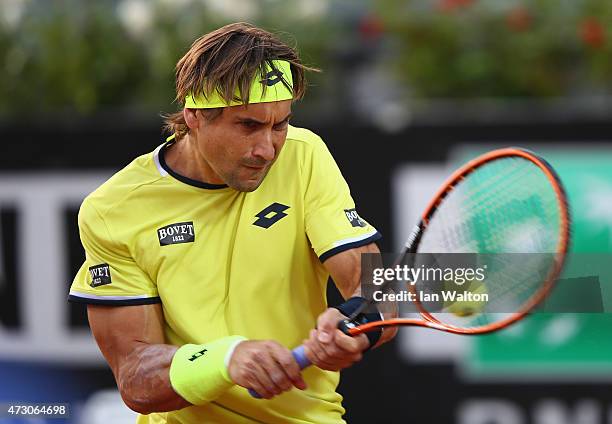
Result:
x=109 y=275
x=332 y=222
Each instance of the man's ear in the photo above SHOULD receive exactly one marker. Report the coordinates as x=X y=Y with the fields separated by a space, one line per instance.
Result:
x=191 y=118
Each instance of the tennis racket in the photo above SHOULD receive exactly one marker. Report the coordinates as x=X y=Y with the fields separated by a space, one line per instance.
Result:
x=504 y=202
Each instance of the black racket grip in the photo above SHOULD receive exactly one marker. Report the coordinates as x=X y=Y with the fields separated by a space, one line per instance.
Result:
x=373 y=336
x=345 y=325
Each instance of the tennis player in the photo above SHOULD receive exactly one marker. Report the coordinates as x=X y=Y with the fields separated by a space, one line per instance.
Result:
x=207 y=259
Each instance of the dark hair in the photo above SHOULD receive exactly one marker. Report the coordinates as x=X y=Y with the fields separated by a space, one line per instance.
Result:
x=228 y=59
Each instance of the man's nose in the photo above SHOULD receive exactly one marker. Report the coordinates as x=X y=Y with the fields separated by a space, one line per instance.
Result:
x=264 y=148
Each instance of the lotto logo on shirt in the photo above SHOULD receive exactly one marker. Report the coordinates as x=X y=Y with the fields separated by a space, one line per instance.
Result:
x=181 y=232
x=100 y=275
x=354 y=218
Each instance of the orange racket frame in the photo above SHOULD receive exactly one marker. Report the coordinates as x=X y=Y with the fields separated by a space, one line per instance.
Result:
x=413 y=241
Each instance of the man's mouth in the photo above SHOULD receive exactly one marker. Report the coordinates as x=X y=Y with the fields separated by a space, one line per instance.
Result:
x=256 y=167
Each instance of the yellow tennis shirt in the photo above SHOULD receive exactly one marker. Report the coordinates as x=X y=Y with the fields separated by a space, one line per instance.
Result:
x=223 y=262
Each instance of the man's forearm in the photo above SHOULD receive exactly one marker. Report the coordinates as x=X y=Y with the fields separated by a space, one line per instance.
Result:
x=345 y=269
x=144 y=379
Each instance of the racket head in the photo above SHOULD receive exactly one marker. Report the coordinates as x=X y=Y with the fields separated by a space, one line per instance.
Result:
x=507 y=201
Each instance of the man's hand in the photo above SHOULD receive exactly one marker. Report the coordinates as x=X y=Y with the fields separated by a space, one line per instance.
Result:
x=266 y=367
x=329 y=348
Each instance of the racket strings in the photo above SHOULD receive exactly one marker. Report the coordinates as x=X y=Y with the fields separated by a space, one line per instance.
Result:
x=458 y=225
x=509 y=175
x=506 y=206
x=484 y=194
x=461 y=217
x=491 y=212
x=527 y=187
x=507 y=273
x=509 y=294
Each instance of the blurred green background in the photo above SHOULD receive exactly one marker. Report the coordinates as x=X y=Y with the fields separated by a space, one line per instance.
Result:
x=66 y=56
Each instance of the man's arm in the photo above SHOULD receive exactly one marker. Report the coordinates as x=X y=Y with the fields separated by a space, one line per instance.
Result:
x=328 y=347
x=132 y=341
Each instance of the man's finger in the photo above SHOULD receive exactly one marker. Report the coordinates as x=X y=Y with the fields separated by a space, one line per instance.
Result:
x=316 y=353
x=258 y=382
x=327 y=324
x=268 y=372
x=317 y=358
x=332 y=351
x=291 y=368
x=350 y=344
x=276 y=371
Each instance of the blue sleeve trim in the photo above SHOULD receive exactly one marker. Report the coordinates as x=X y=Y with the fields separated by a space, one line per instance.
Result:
x=325 y=256
x=114 y=302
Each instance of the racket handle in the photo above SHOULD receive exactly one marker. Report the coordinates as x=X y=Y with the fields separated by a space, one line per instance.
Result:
x=345 y=325
x=299 y=354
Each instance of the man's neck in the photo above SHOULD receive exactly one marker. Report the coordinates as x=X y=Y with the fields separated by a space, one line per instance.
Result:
x=184 y=159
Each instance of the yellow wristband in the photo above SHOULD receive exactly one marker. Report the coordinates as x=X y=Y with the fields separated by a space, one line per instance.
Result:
x=199 y=372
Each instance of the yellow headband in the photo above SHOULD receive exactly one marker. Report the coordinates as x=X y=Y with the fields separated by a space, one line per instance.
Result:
x=269 y=88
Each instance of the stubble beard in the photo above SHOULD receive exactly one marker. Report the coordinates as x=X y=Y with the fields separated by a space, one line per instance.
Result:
x=242 y=185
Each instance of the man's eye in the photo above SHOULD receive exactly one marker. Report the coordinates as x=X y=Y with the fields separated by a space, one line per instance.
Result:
x=281 y=125
x=249 y=124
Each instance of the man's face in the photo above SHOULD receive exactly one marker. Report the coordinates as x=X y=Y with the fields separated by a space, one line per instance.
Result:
x=241 y=144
